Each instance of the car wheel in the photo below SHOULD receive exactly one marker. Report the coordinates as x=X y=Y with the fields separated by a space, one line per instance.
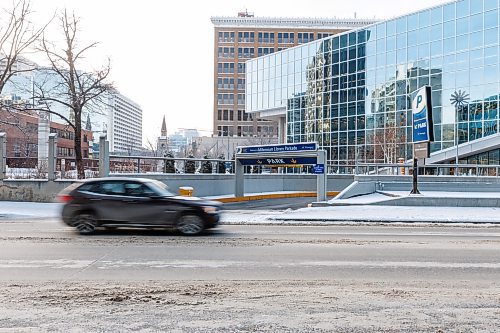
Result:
x=190 y=224
x=85 y=223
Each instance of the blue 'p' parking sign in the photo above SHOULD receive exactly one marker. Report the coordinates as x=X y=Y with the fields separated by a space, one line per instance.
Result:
x=422 y=116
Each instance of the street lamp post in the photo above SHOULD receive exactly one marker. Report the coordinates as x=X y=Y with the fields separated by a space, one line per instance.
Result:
x=459 y=99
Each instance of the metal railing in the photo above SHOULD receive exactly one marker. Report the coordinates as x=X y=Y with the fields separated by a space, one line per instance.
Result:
x=398 y=169
x=65 y=167
x=153 y=164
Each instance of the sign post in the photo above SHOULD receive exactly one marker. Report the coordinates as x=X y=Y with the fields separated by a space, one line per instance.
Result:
x=422 y=128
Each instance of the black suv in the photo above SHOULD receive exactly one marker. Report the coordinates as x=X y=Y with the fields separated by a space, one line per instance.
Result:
x=134 y=202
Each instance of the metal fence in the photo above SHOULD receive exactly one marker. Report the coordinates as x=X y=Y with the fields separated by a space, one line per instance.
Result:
x=151 y=164
x=401 y=169
x=66 y=168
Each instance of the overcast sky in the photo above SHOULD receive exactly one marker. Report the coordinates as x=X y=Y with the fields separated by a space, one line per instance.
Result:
x=162 y=51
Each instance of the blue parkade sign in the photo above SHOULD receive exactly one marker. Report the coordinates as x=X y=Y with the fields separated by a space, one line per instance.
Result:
x=284 y=148
x=279 y=161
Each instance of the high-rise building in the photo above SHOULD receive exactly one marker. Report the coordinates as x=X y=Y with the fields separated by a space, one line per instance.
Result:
x=113 y=114
x=238 y=39
x=353 y=95
x=124 y=127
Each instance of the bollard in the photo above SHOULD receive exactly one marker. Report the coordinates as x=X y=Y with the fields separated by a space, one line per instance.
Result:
x=103 y=156
x=51 y=168
x=186 y=191
x=3 y=156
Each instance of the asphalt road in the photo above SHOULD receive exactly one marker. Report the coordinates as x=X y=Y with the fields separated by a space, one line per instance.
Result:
x=251 y=278
x=47 y=250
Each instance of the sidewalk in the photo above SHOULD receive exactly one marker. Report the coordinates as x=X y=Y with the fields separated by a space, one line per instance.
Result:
x=370 y=213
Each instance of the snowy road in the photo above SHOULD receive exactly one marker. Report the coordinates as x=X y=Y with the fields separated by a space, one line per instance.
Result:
x=242 y=278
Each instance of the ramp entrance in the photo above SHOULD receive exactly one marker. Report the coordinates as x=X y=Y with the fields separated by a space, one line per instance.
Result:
x=282 y=155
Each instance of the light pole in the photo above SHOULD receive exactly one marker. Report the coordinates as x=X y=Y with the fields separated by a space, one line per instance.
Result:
x=459 y=99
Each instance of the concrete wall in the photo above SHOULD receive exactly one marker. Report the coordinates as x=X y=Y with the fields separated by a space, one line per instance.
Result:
x=357 y=188
x=203 y=184
x=433 y=183
x=31 y=190
x=441 y=202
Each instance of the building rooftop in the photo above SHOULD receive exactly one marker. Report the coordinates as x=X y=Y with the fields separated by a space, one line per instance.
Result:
x=291 y=22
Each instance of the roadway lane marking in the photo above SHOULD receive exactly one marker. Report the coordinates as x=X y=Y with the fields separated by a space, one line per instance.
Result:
x=191 y=264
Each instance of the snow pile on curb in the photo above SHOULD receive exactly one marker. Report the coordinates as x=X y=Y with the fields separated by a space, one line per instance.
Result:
x=394 y=214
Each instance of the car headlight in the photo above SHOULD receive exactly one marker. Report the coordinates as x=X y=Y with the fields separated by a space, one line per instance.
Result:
x=210 y=209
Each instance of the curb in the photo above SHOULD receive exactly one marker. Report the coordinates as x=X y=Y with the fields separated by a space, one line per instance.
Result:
x=273 y=196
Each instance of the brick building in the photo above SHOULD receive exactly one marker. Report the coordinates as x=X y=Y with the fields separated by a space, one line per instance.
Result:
x=22 y=140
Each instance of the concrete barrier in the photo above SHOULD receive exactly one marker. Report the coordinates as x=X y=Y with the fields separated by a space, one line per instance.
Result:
x=203 y=185
x=357 y=188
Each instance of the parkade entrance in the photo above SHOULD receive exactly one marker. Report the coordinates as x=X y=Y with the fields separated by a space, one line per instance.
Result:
x=283 y=155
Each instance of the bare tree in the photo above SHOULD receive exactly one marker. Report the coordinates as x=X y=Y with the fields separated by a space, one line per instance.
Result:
x=386 y=144
x=152 y=148
x=17 y=35
x=65 y=86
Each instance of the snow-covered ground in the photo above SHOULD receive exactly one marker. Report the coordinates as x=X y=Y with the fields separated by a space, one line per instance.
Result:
x=16 y=210
x=369 y=213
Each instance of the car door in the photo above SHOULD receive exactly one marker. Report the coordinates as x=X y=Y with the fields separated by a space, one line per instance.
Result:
x=112 y=205
x=144 y=204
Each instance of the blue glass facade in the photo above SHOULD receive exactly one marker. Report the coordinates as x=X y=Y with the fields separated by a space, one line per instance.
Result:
x=352 y=92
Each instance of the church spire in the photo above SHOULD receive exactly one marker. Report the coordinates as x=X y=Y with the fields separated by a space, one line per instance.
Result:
x=164 y=127
x=88 y=124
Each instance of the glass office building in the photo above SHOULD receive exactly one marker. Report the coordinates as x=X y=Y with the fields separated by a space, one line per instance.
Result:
x=352 y=92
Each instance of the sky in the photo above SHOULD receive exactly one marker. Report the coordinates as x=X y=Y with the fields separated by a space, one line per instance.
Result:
x=162 y=51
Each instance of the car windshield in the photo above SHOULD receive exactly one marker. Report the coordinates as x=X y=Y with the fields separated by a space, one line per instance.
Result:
x=160 y=188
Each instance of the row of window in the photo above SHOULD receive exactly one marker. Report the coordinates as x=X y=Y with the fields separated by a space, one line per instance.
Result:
x=228 y=115
x=247 y=130
x=229 y=68
x=269 y=37
x=228 y=83
x=246 y=52
x=229 y=99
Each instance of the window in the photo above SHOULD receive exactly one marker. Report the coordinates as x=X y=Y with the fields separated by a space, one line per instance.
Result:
x=323 y=35
x=225 y=115
x=245 y=130
x=266 y=37
x=112 y=188
x=246 y=37
x=225 y=83
x=305 y=37
x=246 y=52
x=225 y=52
x=225 y=99
x=243 y=116
x=225 y=130
x=241 y=99
x=264 y=51
x=225 y=68
x=241 y=84
x=286 y=37
x=226 y=37
x=138 y=190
